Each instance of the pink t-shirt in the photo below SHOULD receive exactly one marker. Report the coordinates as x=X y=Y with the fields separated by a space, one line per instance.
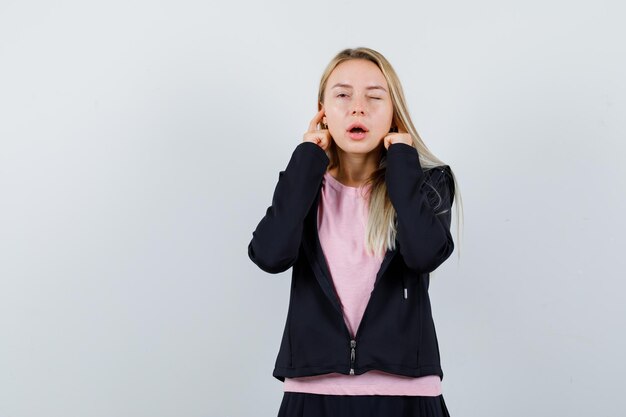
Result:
x=341 y=223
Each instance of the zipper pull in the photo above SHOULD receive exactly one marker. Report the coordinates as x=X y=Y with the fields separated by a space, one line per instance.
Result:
x=352 y=347
x=405 y=293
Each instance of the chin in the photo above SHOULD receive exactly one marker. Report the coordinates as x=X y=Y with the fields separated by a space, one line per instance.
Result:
x=358 y=146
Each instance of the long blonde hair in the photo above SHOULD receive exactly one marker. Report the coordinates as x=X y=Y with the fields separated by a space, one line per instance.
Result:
x=381 y=226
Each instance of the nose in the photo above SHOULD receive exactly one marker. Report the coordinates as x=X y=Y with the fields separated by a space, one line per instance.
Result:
x=357 y=108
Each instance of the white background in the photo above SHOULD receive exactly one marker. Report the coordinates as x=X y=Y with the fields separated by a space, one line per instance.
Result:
x=140 y=143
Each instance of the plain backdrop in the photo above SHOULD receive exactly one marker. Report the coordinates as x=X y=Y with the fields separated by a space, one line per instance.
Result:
x=140 y=144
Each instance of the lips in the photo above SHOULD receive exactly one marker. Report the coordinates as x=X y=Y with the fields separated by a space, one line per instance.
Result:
x=355 y=127
x=357 y=131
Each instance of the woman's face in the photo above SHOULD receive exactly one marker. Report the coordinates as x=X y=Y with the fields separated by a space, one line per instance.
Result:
x=358 y=107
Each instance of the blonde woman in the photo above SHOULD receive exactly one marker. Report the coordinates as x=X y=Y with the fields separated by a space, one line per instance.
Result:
x=362 y=215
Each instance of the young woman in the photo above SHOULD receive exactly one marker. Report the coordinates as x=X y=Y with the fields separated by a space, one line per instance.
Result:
x=362 y=214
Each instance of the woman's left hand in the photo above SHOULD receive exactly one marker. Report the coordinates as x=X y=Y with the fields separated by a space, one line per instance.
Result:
x=400 y=137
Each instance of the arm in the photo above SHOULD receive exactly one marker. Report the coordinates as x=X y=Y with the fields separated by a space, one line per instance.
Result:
x=276 y=241
x=423 y=227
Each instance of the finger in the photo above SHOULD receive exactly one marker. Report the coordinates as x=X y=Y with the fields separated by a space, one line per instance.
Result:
x=317 y=136
x=323 y=143
x=315 y=121
x=386 y=141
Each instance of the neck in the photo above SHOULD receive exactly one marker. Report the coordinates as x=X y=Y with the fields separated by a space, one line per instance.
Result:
x=354 y=169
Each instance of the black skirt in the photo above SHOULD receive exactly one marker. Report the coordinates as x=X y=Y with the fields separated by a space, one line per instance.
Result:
x=300 y=404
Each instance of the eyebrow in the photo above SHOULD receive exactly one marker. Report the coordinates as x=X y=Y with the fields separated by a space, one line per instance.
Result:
x=372 y=87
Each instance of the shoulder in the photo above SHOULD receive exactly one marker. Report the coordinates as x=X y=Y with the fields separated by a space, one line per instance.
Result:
x=439 y=173
x=439 y=181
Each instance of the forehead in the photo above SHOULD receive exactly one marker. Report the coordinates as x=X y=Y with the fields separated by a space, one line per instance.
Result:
x=357 y=73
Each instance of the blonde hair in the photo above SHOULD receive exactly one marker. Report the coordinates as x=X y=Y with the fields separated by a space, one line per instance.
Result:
x=381 y=226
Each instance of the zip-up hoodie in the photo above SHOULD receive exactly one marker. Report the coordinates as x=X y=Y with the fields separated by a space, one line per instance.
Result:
x=396 y=333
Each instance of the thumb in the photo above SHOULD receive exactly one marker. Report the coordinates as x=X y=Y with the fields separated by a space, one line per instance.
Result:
x=387 y=141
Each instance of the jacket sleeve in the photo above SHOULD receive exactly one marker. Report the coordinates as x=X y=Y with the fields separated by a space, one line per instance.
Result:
x=423 y=203
x=276 y=240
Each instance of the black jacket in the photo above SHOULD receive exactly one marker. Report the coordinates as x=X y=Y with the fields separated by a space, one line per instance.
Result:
x=397 y=332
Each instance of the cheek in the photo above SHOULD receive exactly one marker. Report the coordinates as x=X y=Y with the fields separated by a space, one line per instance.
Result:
x=384 y=116
x=387 y=117
x=333 y=108
x=333 y=114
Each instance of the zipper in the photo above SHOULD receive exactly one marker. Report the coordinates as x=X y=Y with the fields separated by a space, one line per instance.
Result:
x=352 y=355
x=405 y=291
x=354 y=339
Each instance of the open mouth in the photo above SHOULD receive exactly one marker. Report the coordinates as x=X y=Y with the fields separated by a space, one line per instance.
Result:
x=357 y=131
x=357 y=128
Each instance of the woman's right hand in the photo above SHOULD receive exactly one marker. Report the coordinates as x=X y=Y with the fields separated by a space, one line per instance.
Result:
x=321 y=137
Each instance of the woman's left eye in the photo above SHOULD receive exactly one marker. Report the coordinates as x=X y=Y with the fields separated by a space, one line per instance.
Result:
x=376 y=98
